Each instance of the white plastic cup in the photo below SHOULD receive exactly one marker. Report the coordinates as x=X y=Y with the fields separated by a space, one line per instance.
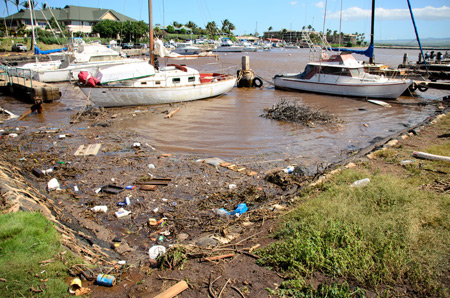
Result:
x=103 y=209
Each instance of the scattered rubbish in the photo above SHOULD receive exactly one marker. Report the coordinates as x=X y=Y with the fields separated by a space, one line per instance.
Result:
x=162 y=221
x=379 y=102
x=126 y=202
x=10 y=115
x=106 y=280
x=62 y=136
x=122 y=212
x=289 y=169
x=152 y=222
x=221 y=212
x=53 y=184
x=88 y=150
x=214 y=161
x=129 y=187
x=173 y=290
x=237 y=169
x=75 y=285
x=102 y=208
x=170 y=114
x=156 y=250
x=13 y=135
x=111 y=189
x=215 y=258
x=361 y=183
x=98 y=190
x=37 y=172
x=160 y=240
x=148 y=187
x=240 y=209
x=136 y=145
x=165 y=233
x=122 y=262
x=156 y=181
x=75 y=188
x=431 y=156
x=406 y=162
x=232 y=186
x=151 y=166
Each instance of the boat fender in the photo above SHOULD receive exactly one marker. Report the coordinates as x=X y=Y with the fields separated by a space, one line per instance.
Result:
x=257 y=82
x=422 y=87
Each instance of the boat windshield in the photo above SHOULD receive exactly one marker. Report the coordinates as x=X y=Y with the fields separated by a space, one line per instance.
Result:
x=337 y=71
x=357 y=72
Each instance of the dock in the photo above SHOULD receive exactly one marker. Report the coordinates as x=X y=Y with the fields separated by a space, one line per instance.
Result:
x=18 y=82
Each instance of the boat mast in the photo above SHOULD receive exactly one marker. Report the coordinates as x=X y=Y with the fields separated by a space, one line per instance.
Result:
x=371 y=59
x=417 y=35
x=150 y=29
x=32 y=25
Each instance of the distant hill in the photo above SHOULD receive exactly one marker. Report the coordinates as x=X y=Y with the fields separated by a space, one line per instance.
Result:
x=426 y=42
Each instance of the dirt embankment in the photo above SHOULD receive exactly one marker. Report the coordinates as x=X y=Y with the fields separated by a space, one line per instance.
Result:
x=174 y=200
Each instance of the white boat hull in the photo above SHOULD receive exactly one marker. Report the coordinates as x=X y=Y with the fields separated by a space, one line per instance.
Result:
x=392 y=89
x=72 y=71
x=230 y=49
x=136 y=96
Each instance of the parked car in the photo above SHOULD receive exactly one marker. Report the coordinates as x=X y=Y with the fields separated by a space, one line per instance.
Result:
x=19 y=47
x=127 y=46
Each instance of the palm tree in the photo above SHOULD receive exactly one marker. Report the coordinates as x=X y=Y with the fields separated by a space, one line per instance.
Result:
x=211 y=28
x=16 y=3
x=227 y=26
x=270 y=28
x=191 y=25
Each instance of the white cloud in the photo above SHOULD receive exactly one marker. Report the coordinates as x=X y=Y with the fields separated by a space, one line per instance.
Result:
x=294 y=3
x=426 y=13
x=319 y=4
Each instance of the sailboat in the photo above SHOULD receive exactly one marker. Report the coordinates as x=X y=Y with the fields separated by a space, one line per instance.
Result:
x=144 y=84
x=342 y=75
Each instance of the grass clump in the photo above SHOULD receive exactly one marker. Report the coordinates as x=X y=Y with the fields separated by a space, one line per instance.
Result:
x=26 y=241
x=388 y=234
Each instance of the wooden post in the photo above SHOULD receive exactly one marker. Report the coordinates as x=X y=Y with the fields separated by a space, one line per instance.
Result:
x=245 y=63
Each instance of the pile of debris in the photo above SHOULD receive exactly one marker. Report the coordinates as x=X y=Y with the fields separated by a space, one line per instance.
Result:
x=286 y=110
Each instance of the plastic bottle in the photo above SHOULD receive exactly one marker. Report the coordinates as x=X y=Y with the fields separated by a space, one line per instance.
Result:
x=221 y=212
x=100 y=209
x=289 y=169
x=361 y=183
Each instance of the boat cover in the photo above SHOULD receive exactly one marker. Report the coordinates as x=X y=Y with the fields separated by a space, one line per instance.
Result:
x=38 y=51
x=126 y=71
x=367 y=52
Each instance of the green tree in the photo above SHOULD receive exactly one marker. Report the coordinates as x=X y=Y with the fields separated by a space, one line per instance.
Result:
x=177 y=25
x=170 y=29
x=227 y=26
x=191 y=25
x=107 y=28
x=54 y=25
x=270 y=28
x=211 y=28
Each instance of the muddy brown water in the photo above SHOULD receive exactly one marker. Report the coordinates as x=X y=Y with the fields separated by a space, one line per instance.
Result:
x=230 y=126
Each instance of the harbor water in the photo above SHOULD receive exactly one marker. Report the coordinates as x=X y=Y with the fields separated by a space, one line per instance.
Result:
x=231 y=126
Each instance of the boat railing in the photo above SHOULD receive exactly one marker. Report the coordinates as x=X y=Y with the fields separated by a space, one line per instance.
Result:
x=319 y=51
x=16 y=74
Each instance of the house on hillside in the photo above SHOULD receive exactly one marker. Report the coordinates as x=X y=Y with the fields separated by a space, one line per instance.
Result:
x=75 y=18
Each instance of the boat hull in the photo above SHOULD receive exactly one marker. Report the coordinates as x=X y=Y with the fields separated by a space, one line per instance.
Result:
x=388 y=90
x=132 y=96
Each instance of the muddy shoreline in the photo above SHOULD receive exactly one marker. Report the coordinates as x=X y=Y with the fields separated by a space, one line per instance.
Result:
x=185 y=207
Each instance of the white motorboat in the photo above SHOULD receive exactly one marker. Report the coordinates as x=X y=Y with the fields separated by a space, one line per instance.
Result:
x=226 y=45
x=341 y=75
x=142 y=84
x=87 y=57
x=186 y=48
x=248 y=47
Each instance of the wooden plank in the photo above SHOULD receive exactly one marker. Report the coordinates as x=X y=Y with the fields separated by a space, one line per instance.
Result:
x=91 y=149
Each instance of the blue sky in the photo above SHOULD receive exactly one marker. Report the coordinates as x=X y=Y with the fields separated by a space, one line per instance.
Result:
x=392 y=16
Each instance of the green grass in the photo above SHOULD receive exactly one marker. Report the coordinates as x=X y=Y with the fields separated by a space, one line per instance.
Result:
x=26 y=239
x=386 y=234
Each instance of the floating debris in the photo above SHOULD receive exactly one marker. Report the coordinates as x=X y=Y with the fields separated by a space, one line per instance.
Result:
x=286 y=110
